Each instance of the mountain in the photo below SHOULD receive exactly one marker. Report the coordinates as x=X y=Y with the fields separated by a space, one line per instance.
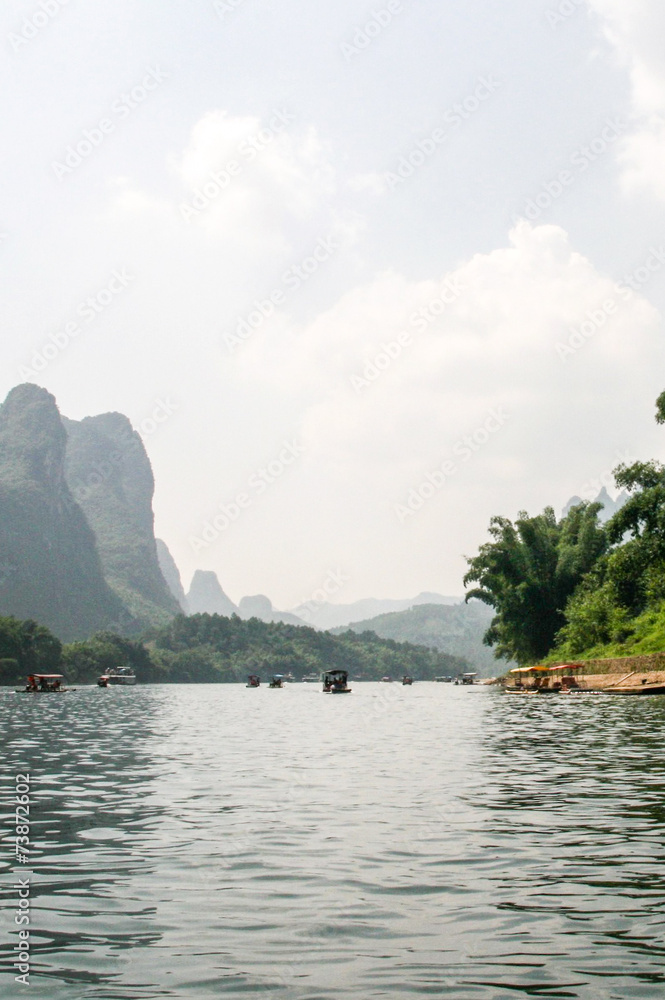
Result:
x=610 y=506
x=206 y=596
x=261 y=607
x=109 y=474
x=50 y=568
x=455 y=629
x=321 y=614
x=171 y=573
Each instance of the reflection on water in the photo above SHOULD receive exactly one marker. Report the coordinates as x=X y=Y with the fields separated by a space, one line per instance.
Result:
x=222 y=842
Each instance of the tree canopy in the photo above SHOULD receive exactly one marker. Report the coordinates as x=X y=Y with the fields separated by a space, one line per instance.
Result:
x=528 y=572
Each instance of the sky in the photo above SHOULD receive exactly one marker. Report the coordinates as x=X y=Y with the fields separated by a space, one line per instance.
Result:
x=361 y=275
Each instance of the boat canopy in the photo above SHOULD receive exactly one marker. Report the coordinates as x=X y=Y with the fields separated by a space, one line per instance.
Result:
x=48 y=677
x=567 y=666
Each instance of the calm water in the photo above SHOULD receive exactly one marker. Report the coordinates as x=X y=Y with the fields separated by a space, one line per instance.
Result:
x=213 y=841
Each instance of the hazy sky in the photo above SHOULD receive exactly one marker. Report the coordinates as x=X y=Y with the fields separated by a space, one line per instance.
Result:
x=359 y=273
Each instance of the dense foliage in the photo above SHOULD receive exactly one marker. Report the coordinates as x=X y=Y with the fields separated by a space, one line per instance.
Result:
x=630 y=580
x=26 y=647
x=528 y=573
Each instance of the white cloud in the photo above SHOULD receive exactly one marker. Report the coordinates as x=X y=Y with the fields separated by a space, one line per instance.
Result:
x=263 y=188
x=486 y=336
x=637 y=28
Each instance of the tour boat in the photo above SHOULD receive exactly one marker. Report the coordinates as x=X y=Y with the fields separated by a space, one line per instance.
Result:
x=336 y=682
x=277 y=681
x=117 y=675
x=407 y=680
x=386 y=680
x=253 y=681
x=44 y=684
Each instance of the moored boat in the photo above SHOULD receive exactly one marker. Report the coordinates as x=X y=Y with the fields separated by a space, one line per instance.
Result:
x=636 y=689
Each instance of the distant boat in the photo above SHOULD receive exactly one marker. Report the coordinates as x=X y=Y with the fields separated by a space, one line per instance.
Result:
x=386 y=680
x=122 y=676
x=277 y=681
x=44 y=684
x=253 y=681
x=407 y=680
x=336 y=682
x=310 y=679
x=444 y=680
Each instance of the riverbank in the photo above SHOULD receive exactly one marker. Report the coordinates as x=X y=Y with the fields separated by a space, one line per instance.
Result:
x=604 y=673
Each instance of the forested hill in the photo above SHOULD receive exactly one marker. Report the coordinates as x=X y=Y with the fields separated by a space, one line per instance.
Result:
x=457 y=629
x=214 y=648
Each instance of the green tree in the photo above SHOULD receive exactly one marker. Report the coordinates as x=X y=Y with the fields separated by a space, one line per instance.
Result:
x=528 y=572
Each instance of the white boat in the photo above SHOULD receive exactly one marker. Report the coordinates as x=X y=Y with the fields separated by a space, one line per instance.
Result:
x=117 y=676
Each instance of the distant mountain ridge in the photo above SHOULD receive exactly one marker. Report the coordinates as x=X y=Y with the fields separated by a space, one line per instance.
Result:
x=454 y=629
x=610 y=506
x=324 y=615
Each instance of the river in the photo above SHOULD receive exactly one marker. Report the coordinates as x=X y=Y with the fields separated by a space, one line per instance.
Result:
x=213 y=841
